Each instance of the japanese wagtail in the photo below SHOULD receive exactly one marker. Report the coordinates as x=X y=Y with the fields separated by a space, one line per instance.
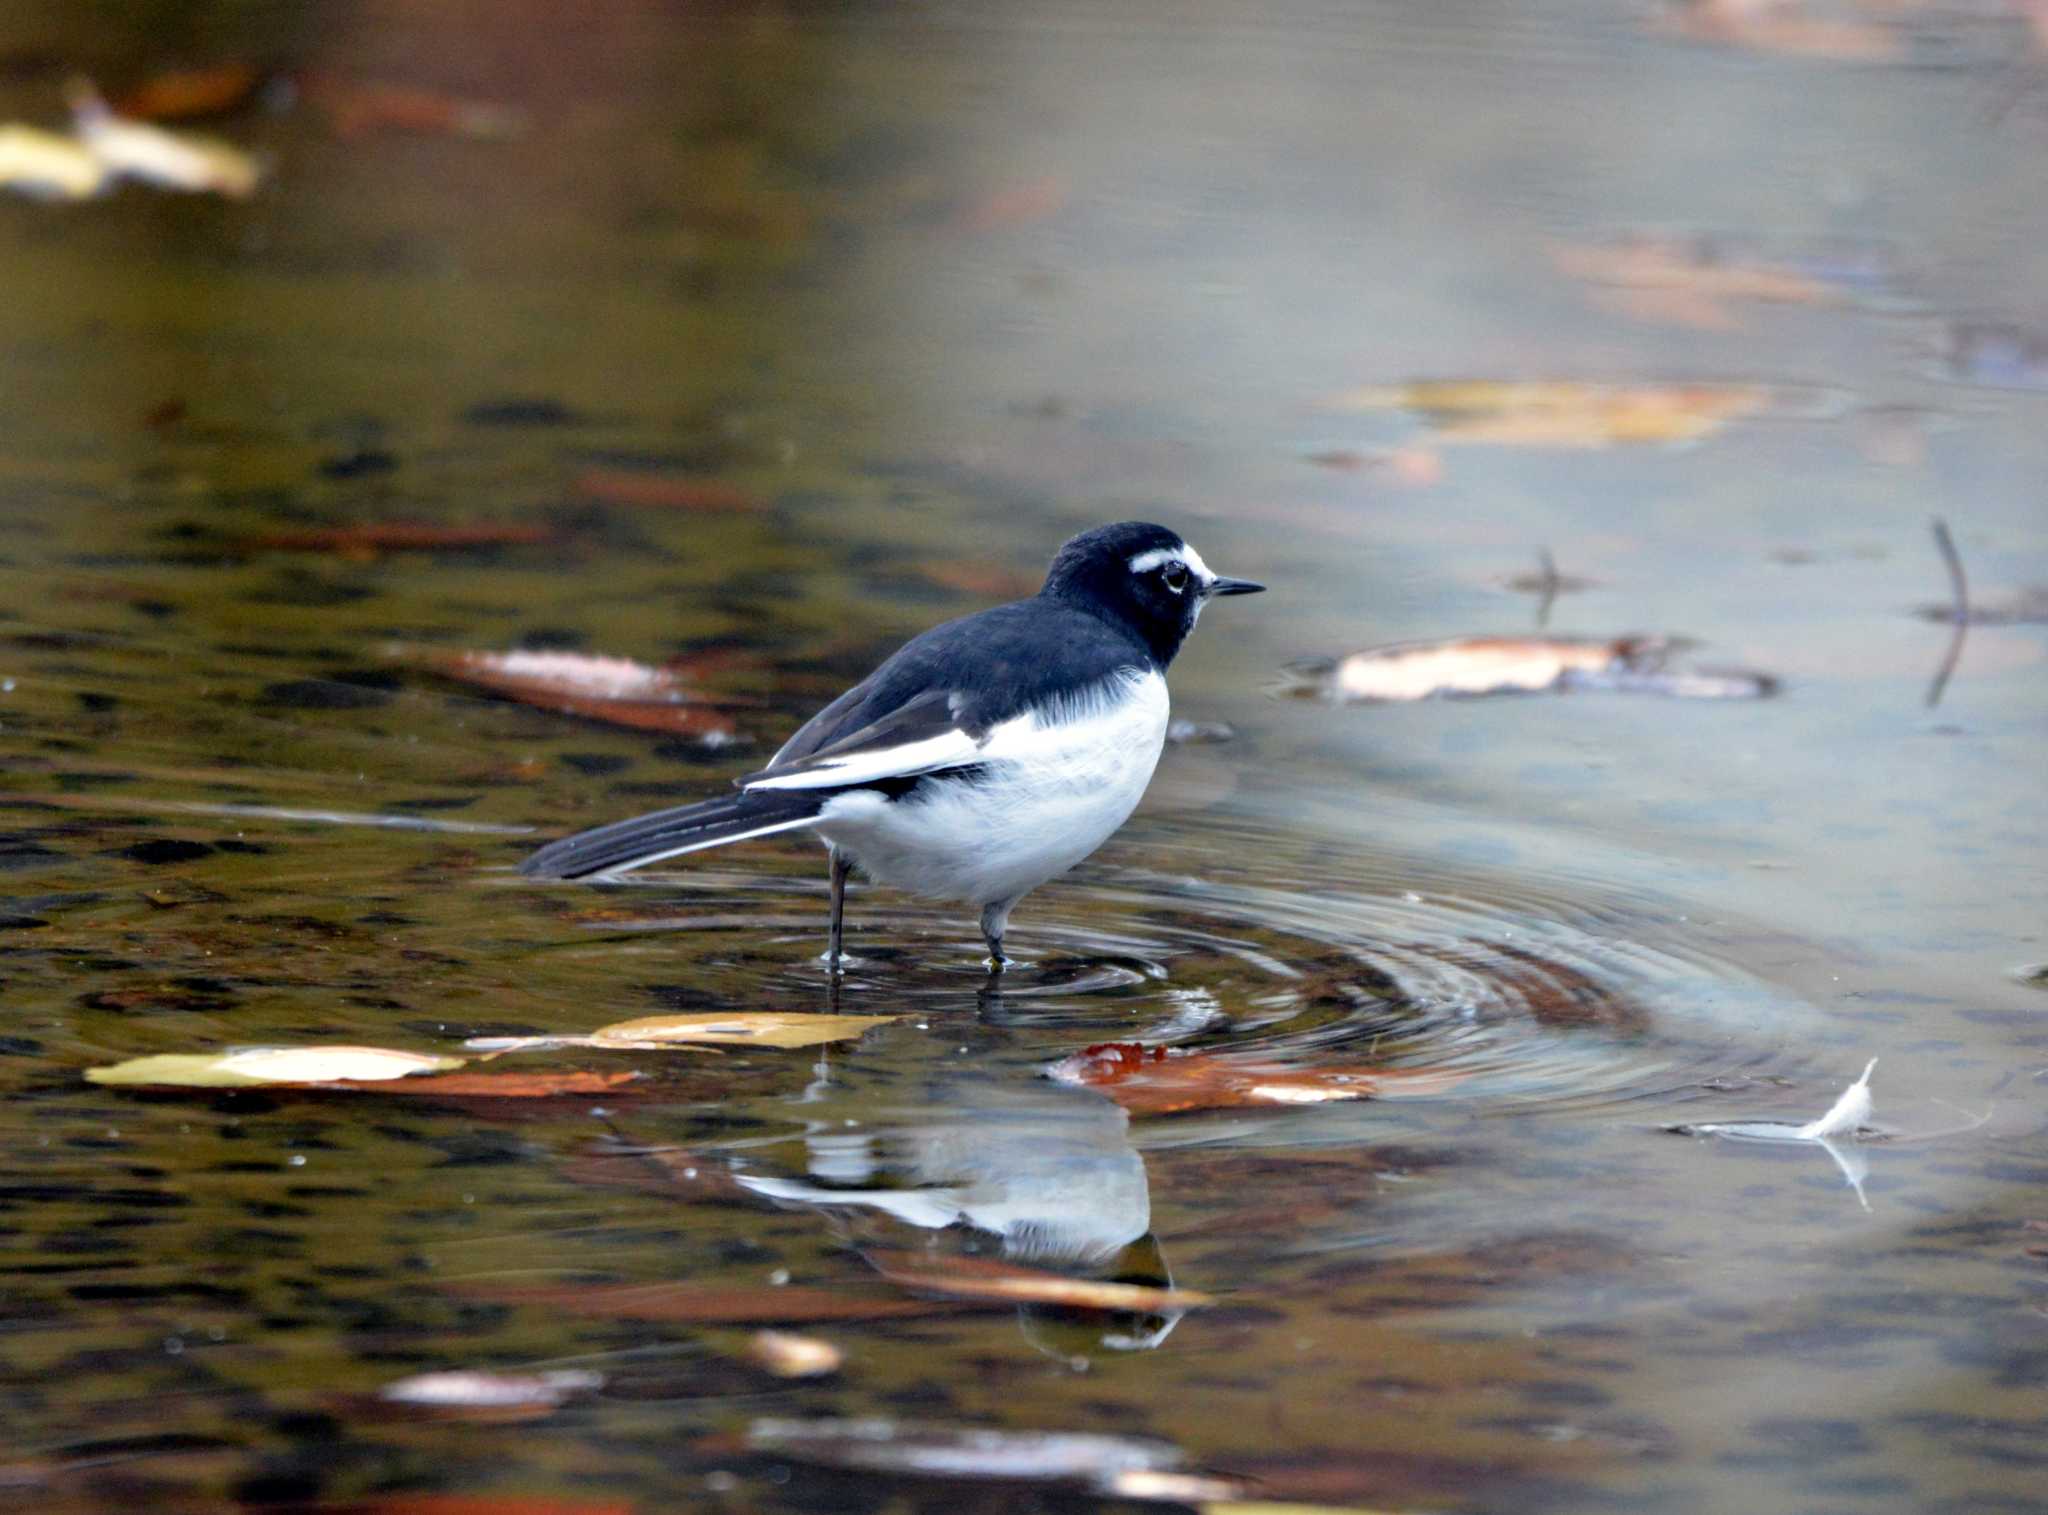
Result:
x=984 y=757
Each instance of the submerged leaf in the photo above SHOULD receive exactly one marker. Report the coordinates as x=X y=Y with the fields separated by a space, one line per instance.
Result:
x=503 y=1085
x=947 y=1451
x=271 y=1065
x=1564 y=413
x=787 y=1355
x=616 y=691
x=657 y=491
x=474 y=1389
x=989 y=1279
x=706 y=1304
x=1152 y=1080
x=370 y=538
x=357 y=107
x=747 y=1028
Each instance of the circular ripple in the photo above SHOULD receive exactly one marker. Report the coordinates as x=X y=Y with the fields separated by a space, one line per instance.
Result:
x=1535 y=989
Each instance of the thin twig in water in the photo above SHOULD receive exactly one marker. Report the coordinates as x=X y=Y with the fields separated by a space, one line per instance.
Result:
x=1959 y=591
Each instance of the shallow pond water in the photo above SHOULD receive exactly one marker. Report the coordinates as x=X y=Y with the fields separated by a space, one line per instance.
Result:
x=758 y=338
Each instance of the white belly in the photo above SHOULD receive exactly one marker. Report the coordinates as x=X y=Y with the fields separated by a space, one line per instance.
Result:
x=1053 y=790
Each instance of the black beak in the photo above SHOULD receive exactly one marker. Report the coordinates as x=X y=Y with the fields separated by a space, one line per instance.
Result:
x=1236 y=586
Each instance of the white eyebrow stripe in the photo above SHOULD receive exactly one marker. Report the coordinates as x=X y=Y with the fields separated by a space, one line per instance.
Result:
x=1145 y=562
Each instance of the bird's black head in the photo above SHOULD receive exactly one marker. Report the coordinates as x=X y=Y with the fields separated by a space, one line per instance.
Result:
x=1142 y=577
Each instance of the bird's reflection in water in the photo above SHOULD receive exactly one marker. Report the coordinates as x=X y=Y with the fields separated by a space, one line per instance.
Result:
x=1043 y=1176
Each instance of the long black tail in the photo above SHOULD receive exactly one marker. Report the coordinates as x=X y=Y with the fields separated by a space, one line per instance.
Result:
x=688 y=828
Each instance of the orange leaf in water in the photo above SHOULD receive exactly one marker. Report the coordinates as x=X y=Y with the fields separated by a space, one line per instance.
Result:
x=659 y=491
x=1005 y=1283
x=1564 y=413
x=1150 y=1080
x=494 y=1085
x=371 y=538
x=192 y=93
x=616 y=691
x=705 y=1304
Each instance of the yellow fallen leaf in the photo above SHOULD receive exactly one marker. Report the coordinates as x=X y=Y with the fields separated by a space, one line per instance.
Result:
x=1271 y=1507
x=1563 y=413
x=48 y=166
x=271 y=1065
x=747 y=1028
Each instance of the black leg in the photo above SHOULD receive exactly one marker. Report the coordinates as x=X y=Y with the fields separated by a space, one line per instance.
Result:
x=840 y=868
x=994 y=919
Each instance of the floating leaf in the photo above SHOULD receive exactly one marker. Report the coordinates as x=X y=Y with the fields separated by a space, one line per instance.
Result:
x=502 y=1085
x=989 y=1279
x=656 y=491
x=272 y=1065
x=1151 y=1080
x=1539 y=413
x=946 y=1451
x=1471 y=666
x=706 y=1305
x=46 y=166
x=787 y=1355
x=189 y=94
x=367 y=540
x=616 y=691
x=747 y=1028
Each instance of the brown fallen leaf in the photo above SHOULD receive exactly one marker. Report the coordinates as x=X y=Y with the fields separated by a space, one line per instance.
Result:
x=1464 y=667
x=615 y=691
x=706 y=1304
x=985 y=1278
x=668 y=1171
x=1564 y=413
x=191 y=94
x=660 y=491
x=355 y=108
x=787 y=1355
x=371 y=538
x=494 y=1085
x=1152 y=1080
x=739 y=1028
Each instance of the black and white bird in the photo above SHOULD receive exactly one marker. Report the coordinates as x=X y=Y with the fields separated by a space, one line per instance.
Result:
x=984 y=757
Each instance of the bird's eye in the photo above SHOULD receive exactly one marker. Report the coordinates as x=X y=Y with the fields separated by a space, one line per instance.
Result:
x=1176 y=576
